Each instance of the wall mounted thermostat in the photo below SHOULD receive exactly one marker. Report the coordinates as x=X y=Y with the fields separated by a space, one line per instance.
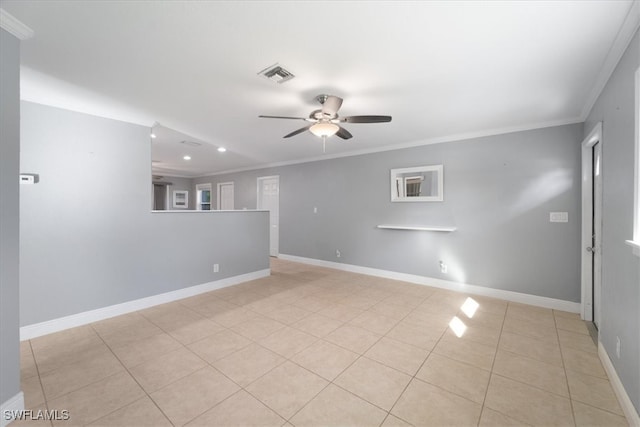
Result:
x=29 y=178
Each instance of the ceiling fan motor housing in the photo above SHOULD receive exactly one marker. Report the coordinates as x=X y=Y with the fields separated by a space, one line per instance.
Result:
x=321 y=98
x=320 y=115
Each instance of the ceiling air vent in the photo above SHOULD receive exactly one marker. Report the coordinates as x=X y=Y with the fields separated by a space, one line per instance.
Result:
x=191 y=143
x=276 y=73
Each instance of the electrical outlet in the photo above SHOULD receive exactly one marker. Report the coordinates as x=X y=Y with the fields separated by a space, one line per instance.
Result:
x=443 y=267
x=337 y=253
x=618 y=347
x=216 y=268
x=315 y=209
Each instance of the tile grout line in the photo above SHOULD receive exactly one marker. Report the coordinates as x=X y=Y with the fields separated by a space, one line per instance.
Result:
x=240 y=387
x=244 y=388
x=287 y=359
x=484 y=400
x=564 y=369
x=47 y=401
x=134 y=379
x=332 y=381
x=571 y=398
x=413 y=377
x=351 y=364
x=35 y=362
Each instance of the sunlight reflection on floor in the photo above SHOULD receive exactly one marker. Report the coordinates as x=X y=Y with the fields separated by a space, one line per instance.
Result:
x=469 y=308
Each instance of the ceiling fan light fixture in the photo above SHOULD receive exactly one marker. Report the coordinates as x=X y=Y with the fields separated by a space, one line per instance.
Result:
x=324 y=129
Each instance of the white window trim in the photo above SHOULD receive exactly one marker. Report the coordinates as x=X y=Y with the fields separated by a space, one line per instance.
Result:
x=635 y=242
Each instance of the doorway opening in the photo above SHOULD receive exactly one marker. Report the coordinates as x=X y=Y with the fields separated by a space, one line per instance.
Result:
x=203 y=197
x=160 y=196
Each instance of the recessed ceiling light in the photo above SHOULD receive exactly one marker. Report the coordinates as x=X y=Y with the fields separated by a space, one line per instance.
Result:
x=222 y=149
x=153 y=135
x=187 y=157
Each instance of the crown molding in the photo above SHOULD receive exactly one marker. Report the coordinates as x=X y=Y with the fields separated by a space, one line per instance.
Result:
x=429 y=141
x=11 y=24
x=620 y=44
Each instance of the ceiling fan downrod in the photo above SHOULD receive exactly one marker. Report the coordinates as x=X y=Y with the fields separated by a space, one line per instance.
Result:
x=322 y=98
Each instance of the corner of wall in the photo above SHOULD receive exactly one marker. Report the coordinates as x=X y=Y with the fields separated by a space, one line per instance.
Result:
x=11 y=409
x=623 y=398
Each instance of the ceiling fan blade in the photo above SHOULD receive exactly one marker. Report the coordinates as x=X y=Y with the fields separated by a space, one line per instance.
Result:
x=283 y=117
x=366 y=119
x=344 y=134
x=331 y=105
x=295 y=132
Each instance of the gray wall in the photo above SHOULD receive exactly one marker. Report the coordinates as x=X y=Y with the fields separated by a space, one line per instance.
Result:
x=620 y=308
x=498 y=191
x=88 y=238
x=9 y=215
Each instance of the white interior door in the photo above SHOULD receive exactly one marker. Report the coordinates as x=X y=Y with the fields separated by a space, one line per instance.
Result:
x=269 y=199
x=592 y=225
x=225 y=196
x=596 y=239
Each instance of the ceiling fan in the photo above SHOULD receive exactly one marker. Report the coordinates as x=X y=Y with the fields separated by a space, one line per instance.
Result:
x=324 y=121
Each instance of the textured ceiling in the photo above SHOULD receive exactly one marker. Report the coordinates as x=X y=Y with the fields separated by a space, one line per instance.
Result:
x=443 y=70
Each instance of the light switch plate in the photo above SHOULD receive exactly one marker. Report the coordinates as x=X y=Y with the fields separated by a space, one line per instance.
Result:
x=558 y=216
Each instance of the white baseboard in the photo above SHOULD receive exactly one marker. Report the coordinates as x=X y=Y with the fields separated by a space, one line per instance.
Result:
x=11 y=406
x=623 y=398
x=62 y=323
x=556 y=304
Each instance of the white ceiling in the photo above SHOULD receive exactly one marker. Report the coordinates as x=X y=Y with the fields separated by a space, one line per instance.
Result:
x=444 y=70
x=170 y=147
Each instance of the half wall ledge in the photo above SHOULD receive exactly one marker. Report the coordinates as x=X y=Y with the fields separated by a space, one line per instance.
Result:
x=416 y=228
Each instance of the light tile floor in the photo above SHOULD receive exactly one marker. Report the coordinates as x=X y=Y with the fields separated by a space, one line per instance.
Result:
x=313 y=346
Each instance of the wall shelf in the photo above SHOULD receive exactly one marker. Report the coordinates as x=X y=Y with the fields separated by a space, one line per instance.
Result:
x=416 y=228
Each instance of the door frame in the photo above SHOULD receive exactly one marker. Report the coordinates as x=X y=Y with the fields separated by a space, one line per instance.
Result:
x=199 y=188
x=167 y=195
x=259 y=207
x=587 y=297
